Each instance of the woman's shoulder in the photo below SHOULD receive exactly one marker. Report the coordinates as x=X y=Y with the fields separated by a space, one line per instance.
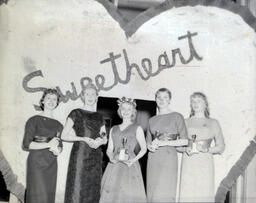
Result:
x=177 y=114
x=34 y=118
x=174 y=114
x=214 y=122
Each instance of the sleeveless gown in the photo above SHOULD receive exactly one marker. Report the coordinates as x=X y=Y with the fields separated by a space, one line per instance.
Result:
x=120 y=183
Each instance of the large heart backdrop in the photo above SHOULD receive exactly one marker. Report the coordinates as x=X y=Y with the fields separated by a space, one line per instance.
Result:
x=67 y=44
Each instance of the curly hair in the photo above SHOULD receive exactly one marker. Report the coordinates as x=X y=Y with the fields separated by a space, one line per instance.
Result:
x=204 y=98
x=49 y=91
x=129 y=101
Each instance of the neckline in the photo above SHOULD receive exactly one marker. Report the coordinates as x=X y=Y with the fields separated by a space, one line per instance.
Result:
x=125 y=127
x=46 y=117
x=88 y=110
x=165 y=113
x=197 y=118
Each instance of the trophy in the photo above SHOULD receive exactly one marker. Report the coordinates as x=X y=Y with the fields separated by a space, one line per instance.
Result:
x=103 y=135
x=166 y=136
x=123 y=153
x=60 y=145
x=157 y=135
x=193 y=147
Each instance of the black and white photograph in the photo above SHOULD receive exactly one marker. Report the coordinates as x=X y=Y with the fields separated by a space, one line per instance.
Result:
x=128 y=101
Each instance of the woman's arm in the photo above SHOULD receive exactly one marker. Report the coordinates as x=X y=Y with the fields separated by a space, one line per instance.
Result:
x=67 y=136
x=110 y=148
x=143 y=146
x=174 y=143
x=30 y=132
x=219 y=139
x=151 y=147
x=54 y=142
x=182 y=130
x=101 y=140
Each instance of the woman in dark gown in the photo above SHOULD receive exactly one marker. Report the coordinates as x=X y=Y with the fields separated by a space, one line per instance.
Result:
x=85 y=165
x=43 y=146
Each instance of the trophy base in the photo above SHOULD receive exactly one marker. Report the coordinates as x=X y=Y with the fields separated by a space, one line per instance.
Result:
x=123 y=156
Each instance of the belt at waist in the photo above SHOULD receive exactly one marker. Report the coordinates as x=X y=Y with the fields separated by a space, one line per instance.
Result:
x=41 y=139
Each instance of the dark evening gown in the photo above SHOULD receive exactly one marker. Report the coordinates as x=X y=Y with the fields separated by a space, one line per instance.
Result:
x=85 y=164
x=41 y=164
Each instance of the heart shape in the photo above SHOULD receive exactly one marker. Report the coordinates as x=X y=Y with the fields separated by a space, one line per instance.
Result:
x=130 y=27
x=56 y=49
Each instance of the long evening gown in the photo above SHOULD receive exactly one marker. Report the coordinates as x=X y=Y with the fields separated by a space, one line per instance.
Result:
x=85 y=164
x=197 y=170
x=162 y=166
x=120 y=183
x=41 y=164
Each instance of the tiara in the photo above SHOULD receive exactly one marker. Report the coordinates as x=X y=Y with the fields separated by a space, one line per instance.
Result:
x=122 y=100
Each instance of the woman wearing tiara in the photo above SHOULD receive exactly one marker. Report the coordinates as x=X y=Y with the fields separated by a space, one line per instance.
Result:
x=166 y=132
x=197 y=171
x=42 y=142
x=122 y=181
x=85 y=165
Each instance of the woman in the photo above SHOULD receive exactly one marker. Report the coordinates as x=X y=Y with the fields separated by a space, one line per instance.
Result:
x=85 y=164
x=166 y=131
x=122 y=181
x=197 y=173
x=40 y=139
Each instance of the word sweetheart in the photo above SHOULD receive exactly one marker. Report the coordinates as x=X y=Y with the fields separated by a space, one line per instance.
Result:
x=100 y=81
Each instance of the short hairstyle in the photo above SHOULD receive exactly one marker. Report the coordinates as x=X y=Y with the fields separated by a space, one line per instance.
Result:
x=90 y=86
x=129 y=101
x=49 y=91
x=204 y=98
x=163 y=89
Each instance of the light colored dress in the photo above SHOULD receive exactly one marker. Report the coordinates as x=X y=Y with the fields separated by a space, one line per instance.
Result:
x=197 y=170
x=120 y=183
x=162 y=165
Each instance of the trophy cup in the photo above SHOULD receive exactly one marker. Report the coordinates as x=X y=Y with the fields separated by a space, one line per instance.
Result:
x=157 y=135
x=60 y=145
x=193 y=147
x=123 y=153
x=103 y=135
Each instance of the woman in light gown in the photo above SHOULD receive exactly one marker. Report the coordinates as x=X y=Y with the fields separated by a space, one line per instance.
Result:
x=85 y=164
x=197 y=170
x=122 y=181
x=166 y=131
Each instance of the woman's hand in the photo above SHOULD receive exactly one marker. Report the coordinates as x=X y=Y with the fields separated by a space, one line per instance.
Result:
x=188 y=151
x=102 y=140
x=55 y=150
x=113 y=160
x=54 y=146
x=91 y=142
x=158 y=143
x=200 y=148
x=54 y=142
x=130 y=162
x=152 y=147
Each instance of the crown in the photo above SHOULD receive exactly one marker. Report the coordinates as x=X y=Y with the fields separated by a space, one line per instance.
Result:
x=122 y=100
